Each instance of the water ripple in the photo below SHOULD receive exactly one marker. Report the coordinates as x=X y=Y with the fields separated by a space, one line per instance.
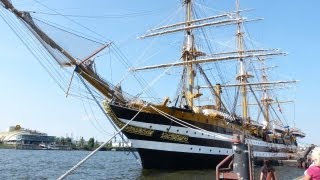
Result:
x=45 y=164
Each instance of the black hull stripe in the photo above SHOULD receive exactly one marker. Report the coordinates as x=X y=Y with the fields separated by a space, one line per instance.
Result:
x=154 y=159
x=198 y=142
x=193 y=149
x=200 y=139
x=125 y=113
x=194 y=141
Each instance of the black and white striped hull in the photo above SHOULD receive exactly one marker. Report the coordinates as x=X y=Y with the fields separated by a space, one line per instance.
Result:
x=162 y=159
x=163 y=144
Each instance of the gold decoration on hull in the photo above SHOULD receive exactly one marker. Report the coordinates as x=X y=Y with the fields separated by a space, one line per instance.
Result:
x=128 y=129
x=144 y=131
x=174 y=137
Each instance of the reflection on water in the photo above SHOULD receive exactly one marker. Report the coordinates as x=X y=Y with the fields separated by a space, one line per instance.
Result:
x=44 y=164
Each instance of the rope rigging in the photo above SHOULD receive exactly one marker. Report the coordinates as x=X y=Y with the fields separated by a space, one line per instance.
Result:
x=96 y=150
x=216 y=65
x=190 y=126
x=98 y=127
x=106 y=115
x=33 y=46
x=75 y=22
x=105 y=16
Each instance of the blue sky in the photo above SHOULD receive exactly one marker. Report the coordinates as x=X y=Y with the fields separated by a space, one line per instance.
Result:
x=29 y=96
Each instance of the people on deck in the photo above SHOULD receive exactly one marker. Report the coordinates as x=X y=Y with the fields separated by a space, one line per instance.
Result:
x=313 y=172
x=267 y=171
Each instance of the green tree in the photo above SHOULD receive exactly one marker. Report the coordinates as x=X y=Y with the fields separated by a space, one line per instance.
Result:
x=96 y=144
x=109 y=144
x=68 y=141
x=81 y=142
x=91 y=143
x=57 y=140
x=63 y=141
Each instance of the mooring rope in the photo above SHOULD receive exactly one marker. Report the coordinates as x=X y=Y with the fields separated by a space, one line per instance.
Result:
x=96 y=150
x=102 y=109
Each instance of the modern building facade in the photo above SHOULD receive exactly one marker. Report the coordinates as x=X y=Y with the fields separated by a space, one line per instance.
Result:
x=25 y=138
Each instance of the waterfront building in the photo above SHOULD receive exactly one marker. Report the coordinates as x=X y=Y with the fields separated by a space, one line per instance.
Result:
x=25 y=138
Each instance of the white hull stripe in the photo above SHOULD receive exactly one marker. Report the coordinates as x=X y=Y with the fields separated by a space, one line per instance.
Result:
x=272 y=145
x=187 y=148
x=197 y=134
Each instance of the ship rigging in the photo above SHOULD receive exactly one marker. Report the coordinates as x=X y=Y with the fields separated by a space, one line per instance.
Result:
x=167 y=134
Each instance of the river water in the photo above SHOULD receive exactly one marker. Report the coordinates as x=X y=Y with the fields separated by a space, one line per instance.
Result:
x=46 y=164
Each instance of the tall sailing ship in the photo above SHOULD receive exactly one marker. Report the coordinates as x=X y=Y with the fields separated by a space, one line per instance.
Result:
x=187 y=131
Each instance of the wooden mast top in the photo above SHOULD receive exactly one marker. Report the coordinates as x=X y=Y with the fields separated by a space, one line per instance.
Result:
x=188 y=55
x=243 y=74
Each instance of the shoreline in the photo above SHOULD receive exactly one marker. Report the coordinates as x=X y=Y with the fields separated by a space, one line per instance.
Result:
x=5 y=146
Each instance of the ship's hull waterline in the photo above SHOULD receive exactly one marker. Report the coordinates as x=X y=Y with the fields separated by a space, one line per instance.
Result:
x=163 y=144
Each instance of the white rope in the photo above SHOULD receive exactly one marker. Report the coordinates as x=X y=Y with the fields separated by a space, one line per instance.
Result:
x=193 y=127
x=96 y=150
x=154 y=81
x=196 y=128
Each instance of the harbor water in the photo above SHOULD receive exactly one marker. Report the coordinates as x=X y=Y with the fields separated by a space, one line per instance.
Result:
x=47 y=164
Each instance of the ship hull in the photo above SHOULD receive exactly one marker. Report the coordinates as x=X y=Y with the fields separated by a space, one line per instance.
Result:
x=164 y=144
x=158 y=159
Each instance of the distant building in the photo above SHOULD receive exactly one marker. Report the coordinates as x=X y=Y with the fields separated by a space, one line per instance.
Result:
x=25 y=138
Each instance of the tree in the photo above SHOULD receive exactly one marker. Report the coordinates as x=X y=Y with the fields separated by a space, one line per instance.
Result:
x=91 y=143
x=109 y=144
x=81 y=142
x=96 y=144
x=68 y=141
x=63 y=141
x=57 y=140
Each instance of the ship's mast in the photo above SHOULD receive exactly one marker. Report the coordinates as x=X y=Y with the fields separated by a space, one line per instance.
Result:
x=266 y=100
x=188 y=54
x=243 y=75
x=192 y=58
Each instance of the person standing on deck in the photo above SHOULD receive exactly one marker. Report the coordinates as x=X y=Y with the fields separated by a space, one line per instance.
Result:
x=267 y=171
x=313 y=172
